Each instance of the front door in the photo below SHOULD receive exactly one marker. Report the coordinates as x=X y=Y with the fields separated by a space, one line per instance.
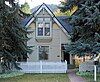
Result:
x=65 y=55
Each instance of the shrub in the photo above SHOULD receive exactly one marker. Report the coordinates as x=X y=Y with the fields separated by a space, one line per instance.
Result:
x=83 y=73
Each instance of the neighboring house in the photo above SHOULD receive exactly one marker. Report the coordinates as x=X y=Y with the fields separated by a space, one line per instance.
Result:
x=50 y=34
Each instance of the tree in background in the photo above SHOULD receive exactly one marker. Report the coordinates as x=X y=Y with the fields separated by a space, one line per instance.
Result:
x=86 y=22
x=59 y=13
x=67 y=11
x=26 y=8
x=12 y=36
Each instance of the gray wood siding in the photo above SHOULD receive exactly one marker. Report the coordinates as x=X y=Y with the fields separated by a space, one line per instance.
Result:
x=58 y=38
x=43 y=14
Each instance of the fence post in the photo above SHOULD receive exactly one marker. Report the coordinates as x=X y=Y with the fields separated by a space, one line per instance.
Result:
x=66 y=65
x=40 y=66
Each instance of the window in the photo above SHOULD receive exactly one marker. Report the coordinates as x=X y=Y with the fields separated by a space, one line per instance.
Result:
x=43 y=26
x=47 y=29
x=47 y=19
x=40 y=29
x=40 y=19
x=43 y=52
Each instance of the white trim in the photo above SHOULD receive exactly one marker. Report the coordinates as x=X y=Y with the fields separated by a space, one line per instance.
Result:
x=43 y=7
x=38 y=11
x=29 y=22
x=51 y=28
x=60 y=47
x=49 y=11
x=36 y=29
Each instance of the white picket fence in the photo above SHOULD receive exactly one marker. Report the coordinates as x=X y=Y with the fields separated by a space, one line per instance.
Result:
x=43 y=67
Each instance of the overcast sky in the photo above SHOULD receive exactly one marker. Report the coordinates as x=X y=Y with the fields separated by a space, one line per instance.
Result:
x=34 y=3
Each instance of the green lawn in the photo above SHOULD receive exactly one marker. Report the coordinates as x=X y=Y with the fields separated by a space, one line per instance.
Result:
x=37 y=78
x=91 y=78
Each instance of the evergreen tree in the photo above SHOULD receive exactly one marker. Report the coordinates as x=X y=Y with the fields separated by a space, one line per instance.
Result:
x=12 y=36
x=64 y=8
x=59 y=13
x=86 y=22
x=26 y=8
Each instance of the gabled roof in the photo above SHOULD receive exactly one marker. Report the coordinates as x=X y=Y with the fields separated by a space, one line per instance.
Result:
x=47 y=9
x=59 y=20
x=63 y=21
x=26 y=20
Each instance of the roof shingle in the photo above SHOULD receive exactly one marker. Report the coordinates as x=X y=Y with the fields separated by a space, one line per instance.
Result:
x=63 y=21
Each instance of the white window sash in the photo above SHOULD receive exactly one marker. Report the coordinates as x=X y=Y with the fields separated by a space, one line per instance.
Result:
x=43 y=29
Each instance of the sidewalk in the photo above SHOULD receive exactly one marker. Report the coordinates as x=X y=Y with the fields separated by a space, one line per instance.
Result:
x=73 y=77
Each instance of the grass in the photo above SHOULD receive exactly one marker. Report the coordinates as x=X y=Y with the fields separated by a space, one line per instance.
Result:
x=10 y=74
x=37 y=78
x=90 y=78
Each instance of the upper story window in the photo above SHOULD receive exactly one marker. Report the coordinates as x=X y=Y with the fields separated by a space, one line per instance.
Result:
x=43 y=26
x=40 y=29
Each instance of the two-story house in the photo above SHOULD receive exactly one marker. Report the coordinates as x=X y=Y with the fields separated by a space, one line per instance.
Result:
x=49 y=35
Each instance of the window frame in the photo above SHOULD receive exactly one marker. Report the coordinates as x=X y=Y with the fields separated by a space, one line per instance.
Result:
x=43 y=27
x=48 y=52
x=40 y=28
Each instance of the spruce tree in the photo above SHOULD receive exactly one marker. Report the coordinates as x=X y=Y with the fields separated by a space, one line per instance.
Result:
x=12 y=36
x=66 y=8
x=86 y=26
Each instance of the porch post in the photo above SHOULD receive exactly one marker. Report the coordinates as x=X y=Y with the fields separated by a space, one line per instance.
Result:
x=40 y=66
x=66 y=65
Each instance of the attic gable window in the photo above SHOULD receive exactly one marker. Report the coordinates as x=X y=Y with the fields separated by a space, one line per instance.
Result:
x=47 y=29
x=40 y=29
x=43 y=26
